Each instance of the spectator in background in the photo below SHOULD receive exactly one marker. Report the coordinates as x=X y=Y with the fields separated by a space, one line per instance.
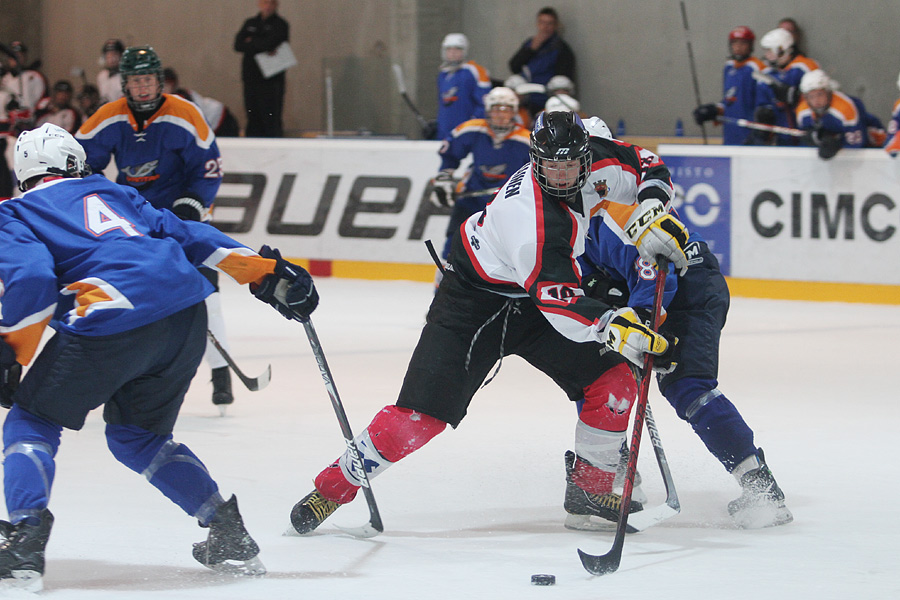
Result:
x=58 y=109
x=542 y=56
x=893 y=144
x=88 y=100
x=109 y=81
x=24 y=84
x=462 y=85
x=739 y=88
x=835 y=119
x=263 y=98
x=216 y=113
x=790 y=25
x=777 y=92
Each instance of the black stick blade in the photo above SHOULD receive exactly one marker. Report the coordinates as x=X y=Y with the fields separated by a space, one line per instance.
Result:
x=603 y=564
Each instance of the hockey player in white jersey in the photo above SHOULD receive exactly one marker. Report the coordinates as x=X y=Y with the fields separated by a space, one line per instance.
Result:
x=512 y=287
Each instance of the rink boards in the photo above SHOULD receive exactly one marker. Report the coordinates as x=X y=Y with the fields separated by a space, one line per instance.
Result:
x=784 y=223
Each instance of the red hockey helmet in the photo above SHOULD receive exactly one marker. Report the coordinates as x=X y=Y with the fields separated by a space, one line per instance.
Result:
x=742 y=33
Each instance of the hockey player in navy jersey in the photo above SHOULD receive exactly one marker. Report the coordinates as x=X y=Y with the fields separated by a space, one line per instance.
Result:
x=738 y=88
x=117 y=279
x=512 y=287
x=499 y=147
x=461 y=85
x=695 y=306
x=164 y=149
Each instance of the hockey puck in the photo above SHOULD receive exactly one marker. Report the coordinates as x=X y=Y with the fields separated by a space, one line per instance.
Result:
x=543 y=579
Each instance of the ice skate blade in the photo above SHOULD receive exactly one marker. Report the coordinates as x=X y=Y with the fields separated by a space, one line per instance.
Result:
x=591 y=523
x=363 y=532
x=24 y=581
x=761 y=516
x=237 y=568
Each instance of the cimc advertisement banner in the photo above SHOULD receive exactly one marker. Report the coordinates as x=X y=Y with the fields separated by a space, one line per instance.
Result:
x=794 y=216
x=360 y=200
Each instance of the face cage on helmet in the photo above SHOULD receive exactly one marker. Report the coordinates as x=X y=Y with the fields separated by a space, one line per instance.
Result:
x=567 y=194
x=149 y=105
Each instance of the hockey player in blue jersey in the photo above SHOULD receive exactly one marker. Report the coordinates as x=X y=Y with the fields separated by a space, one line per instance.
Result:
x=165 y=150
x=499 y=147
x=461 y=85
x=695 y=306
x=117 y=279
x=739 y=88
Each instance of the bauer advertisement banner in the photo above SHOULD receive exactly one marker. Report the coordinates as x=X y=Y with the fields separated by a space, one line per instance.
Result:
x=360 y=200
x=796 y=217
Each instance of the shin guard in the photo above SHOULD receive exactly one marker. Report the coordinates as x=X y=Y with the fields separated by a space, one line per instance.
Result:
x=30 y=443
x=393 y=434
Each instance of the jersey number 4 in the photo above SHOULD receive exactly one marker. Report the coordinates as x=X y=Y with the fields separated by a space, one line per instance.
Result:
x=99 y=218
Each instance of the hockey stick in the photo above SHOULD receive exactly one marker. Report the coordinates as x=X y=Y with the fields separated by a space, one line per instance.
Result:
x=690 y=51
x=648 y=517
x=609 y=562
x=253 y=384
x=374 y=526
x=401 y=87
x=764 y=127
x=473 y=193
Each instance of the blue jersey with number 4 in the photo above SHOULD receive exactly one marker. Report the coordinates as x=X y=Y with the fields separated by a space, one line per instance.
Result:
x=98 y=259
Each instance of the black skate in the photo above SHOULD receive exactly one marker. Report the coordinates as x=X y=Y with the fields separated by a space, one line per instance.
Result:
x=582 y=505
x=762 y=502
x=229 y=548
x=310 y=512
x=221 y=380
x=22 y=554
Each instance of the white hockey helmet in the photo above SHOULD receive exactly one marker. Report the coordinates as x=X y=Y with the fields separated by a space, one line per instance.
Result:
x=514 y=81
x=455 y=40
x=48 y=150
x=816 y=80
x=502 y=96
x=562 y=103
x=597 y=127
x=560 y=82
x=778 y=40
x=898 y=82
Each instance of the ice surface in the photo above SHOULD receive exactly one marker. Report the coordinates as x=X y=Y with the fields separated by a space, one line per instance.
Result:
x=479 y=510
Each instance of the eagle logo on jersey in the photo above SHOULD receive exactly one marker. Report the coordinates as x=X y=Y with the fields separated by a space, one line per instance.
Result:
x=139 y=176
x=497 y=172
x=450 y=96
x=601 y=188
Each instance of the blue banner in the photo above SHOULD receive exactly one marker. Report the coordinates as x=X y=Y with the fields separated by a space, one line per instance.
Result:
x=703 y=200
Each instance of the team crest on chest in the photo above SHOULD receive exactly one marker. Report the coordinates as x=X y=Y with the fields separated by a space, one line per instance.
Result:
x=601 y=188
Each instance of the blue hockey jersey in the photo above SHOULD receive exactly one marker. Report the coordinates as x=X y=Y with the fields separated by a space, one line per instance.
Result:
x=492 y=162
x=461 y=93
x=173 y=155
x=739 y=99
x=97 y=259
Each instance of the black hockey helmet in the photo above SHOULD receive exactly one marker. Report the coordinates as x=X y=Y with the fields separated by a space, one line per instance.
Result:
x=113 y=45
x=560 y=154
x=141 y=60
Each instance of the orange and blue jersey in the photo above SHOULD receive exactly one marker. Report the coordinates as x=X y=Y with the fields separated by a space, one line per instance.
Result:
x=846 y=115
x=892 y=145
x=493 y=162
x=461 y=90
x=790 y=75
x=173 y=155
x=739 y=100
x=94 y=258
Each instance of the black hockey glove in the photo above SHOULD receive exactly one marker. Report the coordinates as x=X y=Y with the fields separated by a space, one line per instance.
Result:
x=10 y=373
x=609 y=291
x=189 y=208
x=290 y=289
x=828 y=142
x=764 y=114
x=785 y=93
x=706 y=112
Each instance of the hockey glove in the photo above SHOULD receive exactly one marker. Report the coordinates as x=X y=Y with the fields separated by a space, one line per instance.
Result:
x=443 y=186
x=609 y=291
x=289 y=289
x=624 y=333
x=706 y=112
x=657 y=233
x=10 y=373
x=785 y=93
x=828 y=142
x=764 y=114
x=189 y=208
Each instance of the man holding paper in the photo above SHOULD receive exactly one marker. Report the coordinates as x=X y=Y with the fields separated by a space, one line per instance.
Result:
x=263 y=41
